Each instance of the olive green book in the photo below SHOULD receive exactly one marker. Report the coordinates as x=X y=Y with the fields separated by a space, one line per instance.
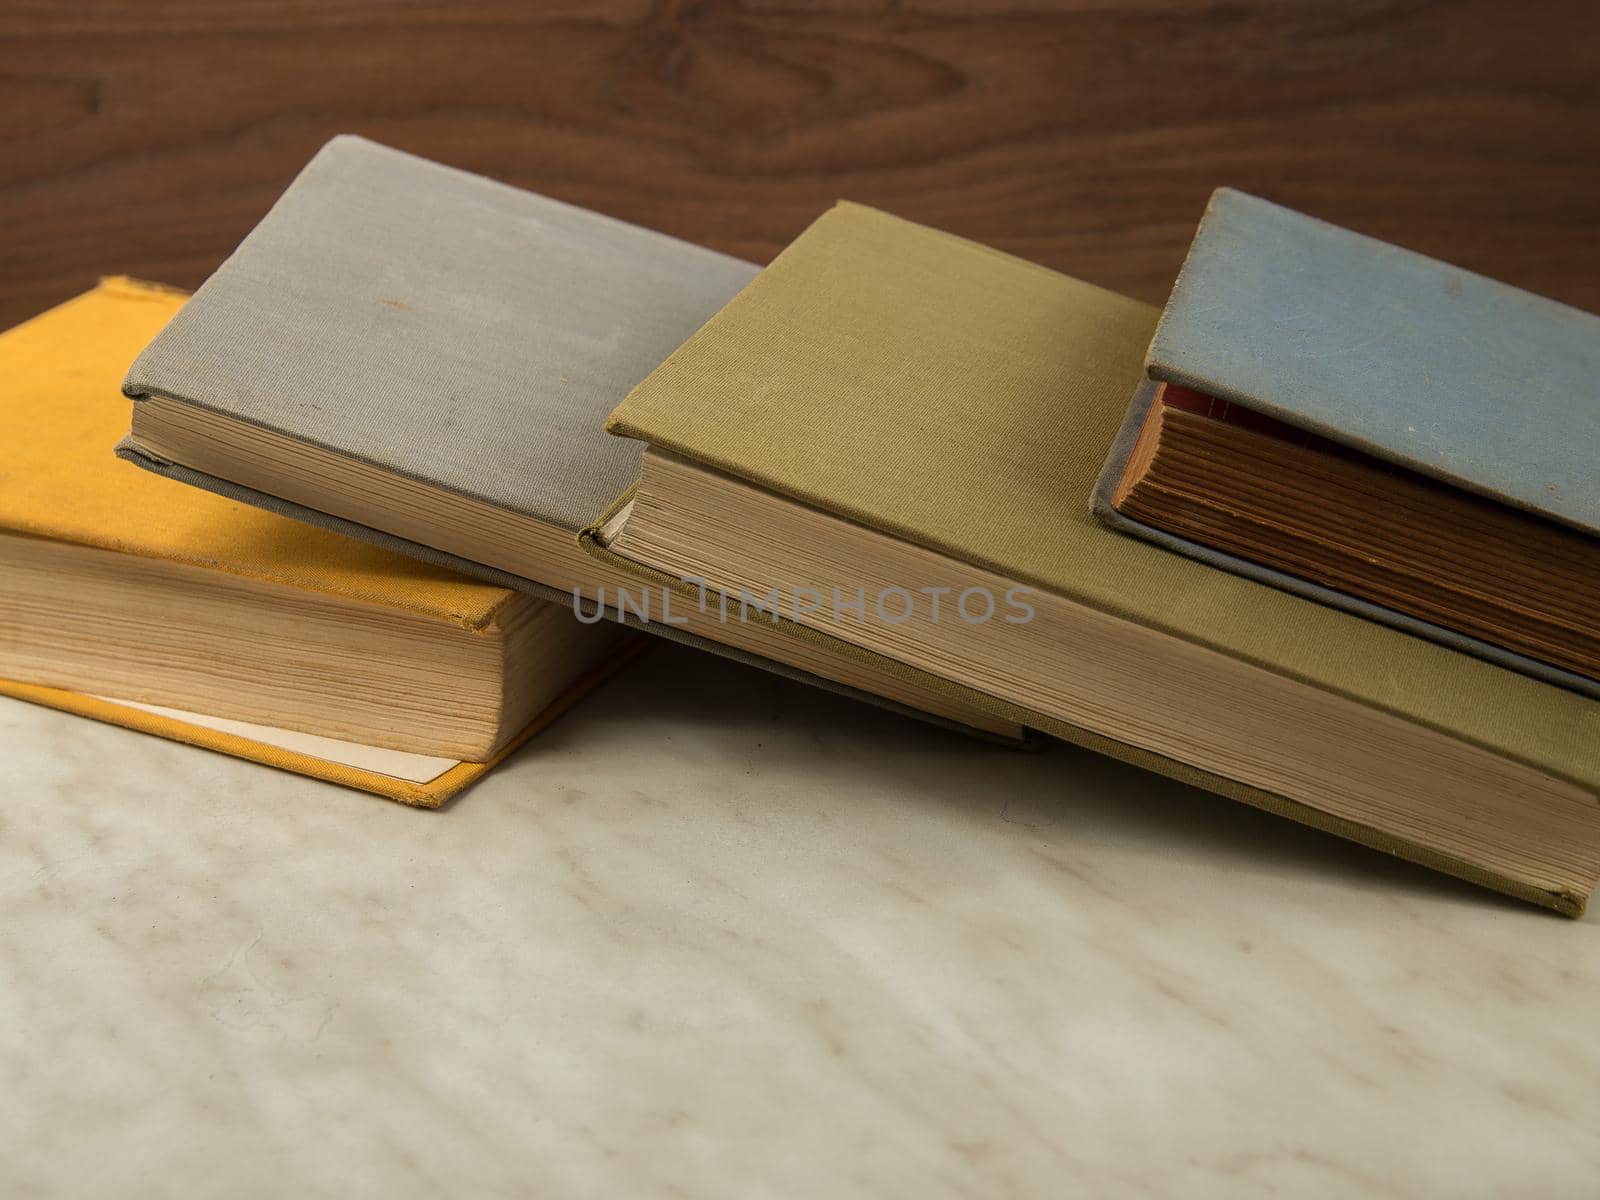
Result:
x=889 y=417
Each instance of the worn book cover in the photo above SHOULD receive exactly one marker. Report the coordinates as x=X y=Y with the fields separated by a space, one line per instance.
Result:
x=1430 y=373
x=431 y=327
x=59 y=419
x=961 y=401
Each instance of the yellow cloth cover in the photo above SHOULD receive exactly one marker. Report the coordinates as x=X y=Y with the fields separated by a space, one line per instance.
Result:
x=62 y=411
x=430 y=794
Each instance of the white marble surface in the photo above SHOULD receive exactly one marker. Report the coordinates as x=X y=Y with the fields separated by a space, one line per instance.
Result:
x=719 y=935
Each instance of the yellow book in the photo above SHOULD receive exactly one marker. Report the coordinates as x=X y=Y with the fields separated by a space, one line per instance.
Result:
x=133 y=599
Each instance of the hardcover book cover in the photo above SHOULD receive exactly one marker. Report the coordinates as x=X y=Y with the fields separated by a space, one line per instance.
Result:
x=1416 y=363
x=438 y=326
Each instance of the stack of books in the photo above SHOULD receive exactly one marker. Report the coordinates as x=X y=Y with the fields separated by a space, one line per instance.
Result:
x=143 y=602
x=1323 y=536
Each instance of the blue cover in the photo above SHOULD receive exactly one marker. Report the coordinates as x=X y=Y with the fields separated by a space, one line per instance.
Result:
x=1474 y=382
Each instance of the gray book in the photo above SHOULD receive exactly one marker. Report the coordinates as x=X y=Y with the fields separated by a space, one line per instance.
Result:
x=422 y=358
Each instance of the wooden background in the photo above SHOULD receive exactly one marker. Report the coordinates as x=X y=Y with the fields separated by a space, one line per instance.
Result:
x=146 y=136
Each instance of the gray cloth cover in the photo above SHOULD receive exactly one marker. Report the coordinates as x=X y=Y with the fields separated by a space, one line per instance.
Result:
x=450 y=329
x=1414 y=361
x=442 y=326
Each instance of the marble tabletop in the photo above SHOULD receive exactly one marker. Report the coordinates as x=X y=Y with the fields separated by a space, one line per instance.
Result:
x=716 y=934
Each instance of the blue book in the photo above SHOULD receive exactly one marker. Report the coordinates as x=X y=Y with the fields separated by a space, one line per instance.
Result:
x=1377 y=430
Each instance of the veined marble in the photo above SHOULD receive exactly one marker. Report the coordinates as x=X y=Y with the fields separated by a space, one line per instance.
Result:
x=715 y=934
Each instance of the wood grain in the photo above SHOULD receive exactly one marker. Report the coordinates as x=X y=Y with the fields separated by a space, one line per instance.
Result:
x=147 y=137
